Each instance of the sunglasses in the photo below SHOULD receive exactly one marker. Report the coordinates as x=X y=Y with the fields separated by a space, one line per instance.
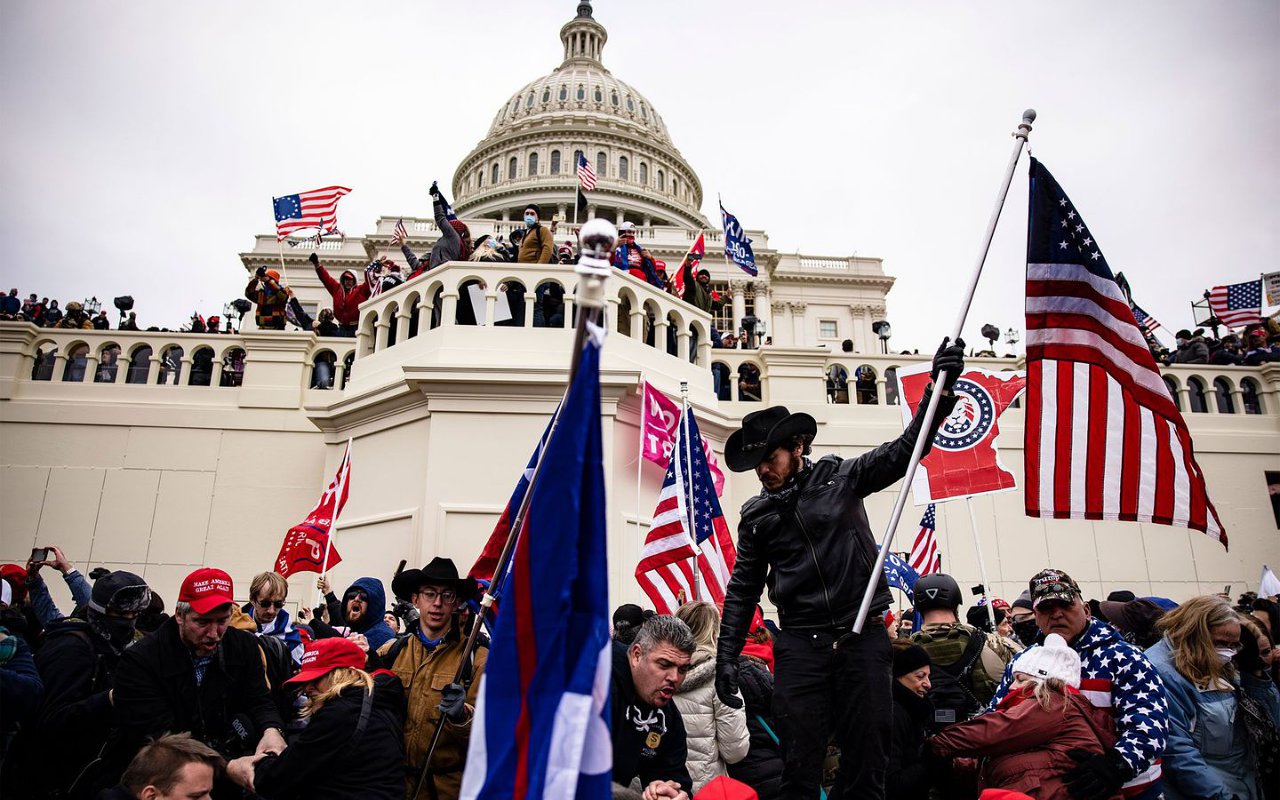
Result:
x=270 y=603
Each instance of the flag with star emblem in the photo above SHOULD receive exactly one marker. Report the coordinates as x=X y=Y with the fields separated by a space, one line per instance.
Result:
x=1237 y=304
x=924 y=551
x=315 y=209
x=1145 y=321
x=665 y=571
x=1103 y=439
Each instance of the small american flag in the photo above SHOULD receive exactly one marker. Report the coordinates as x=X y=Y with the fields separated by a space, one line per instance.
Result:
x=400 y=233
x=586 y=173
x=664 y=571
x=314 y=209
x=1237 y=304
x=1103 y=439
x=1145 y=321
x=924 y=552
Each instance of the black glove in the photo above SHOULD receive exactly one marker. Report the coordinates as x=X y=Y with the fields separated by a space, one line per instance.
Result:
x=1098 y=776
x=453 y=702
x=314 y=259
x=948 y=359
x=727 y=683
x=434 y=191
x=260 y=273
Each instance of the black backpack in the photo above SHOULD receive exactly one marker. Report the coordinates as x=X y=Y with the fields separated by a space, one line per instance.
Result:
x=951 y=676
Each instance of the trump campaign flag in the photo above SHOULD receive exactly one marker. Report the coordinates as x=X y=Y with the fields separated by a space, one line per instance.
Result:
x=963 y=460
x=737 y=247
x=659 y=419
x=900 y=574
x=692 y=259
x=307 y=543
x=540 y=728
x=1103 y=438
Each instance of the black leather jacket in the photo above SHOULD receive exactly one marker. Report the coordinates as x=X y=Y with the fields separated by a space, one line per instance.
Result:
x=815 y=550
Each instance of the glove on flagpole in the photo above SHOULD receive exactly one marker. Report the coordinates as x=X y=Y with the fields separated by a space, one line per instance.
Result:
x=1021 y=134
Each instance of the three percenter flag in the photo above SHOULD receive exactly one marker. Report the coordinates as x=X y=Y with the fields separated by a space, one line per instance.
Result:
x=1103 y=438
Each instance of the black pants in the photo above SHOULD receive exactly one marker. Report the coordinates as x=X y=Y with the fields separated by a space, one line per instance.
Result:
x=824 y=690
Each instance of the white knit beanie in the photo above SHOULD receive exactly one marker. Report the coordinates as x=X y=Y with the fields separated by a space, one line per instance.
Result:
x=1053 y=659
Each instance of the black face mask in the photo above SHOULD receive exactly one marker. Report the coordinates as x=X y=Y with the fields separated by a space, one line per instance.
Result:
x=116 y=630
x=1026 y=631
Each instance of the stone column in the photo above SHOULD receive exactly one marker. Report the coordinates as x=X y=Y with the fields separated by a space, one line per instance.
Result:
x=215 y=379
x=91 y=362
x=660 y=326
x=153 y=368
x=682 y=344
x=798 y=324
x=530 y=297
x=184 y=372
x=449 y=307
x=739 y=288
x=424 y=316
x=637 y=323
x=704 y=353
x=402 y=324
x=381 y=328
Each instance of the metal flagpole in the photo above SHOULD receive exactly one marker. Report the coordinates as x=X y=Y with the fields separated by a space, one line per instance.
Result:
x=982 y=564
x=343 y=471
x=1024 y=129
x=692 y=516
x=597 y=239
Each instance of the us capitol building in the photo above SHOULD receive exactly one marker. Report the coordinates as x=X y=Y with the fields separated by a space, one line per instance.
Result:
x=162 y=452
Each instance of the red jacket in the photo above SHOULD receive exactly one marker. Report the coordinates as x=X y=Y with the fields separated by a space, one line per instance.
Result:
x=1026 y=745
x=346 y=305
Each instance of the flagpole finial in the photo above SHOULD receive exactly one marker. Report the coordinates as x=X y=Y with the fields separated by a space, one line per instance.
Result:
x=1028 y=117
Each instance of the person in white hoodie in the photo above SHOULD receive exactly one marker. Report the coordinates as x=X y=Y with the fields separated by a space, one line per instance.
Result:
x=717 y=733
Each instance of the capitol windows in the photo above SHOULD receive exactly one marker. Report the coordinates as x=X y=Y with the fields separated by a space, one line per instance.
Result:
x=602 y=164
x=529 y=103
x=582 y=92
x=564 y=93
x=495 y=173
x=546 y=95
x=828 y=329
x=631 y=105
x=623 y=169
x=644 y=173
x=613 y=99
x=512 y=165
x=1195 y=394
x=577 y=158
x=480 y=177
x=662 y=181
x=1249 y=394
x=1223 y=391
x=533 y=164
x=555 y=162
x=675 y=186
x=598 y=95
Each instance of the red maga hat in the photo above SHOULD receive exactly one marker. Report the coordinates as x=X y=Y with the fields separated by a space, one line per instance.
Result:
x=207 y=589
x=325 y=655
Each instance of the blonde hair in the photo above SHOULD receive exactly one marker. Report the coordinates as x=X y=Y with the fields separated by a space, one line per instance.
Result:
x=1045 y=689
x=1187 y=629
x=339 y=679
x=703 y=620
x=268 y=583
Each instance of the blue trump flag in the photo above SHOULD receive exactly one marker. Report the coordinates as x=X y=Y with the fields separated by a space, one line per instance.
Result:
x=900 y=575
x=541 y=723
x=737 y=247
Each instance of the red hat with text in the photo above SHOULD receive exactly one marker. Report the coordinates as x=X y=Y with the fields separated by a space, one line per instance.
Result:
x=207 y=589
x=325 y=655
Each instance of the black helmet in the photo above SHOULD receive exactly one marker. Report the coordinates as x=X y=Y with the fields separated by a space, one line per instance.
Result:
x=938 y=590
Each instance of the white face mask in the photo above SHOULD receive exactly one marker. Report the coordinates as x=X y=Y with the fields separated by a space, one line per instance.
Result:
x=1224 y=654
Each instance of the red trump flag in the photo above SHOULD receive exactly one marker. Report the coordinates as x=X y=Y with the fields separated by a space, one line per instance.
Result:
x=306 y=544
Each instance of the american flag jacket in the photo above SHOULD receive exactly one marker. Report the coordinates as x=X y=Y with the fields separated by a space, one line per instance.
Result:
x=1116 y=675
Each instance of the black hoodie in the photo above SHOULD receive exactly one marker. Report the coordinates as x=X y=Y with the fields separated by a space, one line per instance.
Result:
x=647 y=742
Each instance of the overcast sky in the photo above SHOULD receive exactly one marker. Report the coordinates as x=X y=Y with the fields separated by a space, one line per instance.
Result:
x=144 y=140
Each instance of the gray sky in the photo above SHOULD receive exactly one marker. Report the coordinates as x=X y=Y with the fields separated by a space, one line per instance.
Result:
x=143 y=140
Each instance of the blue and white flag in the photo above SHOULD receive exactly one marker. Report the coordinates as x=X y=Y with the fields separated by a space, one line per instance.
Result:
x=541 y=723
x=736 y=244
x=900 y=575
x=445 y=207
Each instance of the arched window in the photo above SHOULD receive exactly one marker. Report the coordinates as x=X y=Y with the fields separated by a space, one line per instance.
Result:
x=1249 y=391
x=555 y=162
x=201 y=367
x=623 y=168
x=546 y=94
x=644 y=112
x=720 y=380
x=511 y=168
x=837 y=384
x=662 y=181
x=533 y=164
x=232 y=367
x=891 y=386
x=598 y=95
x=139 y=364
x=1226 y=403
x=613 y=98
x=495 y=173
x=515 y=104
x=644 y=173
x=602 y=165
x=631 y=106
x=865 y=385
x=1196 y=390
x=582 y=92
x=108 y=364
x=564 y=92
x=1172 y=386
x=577 y=156
x=77 y=360
x=529 y=103
x=675 y=186
x=749 y=382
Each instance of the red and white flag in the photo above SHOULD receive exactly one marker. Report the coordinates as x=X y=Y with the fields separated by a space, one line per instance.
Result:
x=963 y=460
x=924 y=551
x=693 y=258
x=305 y=543
x=659 y=420
x=1103 y=438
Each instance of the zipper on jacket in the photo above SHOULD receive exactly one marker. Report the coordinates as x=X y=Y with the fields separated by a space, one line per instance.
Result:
x=814 y=554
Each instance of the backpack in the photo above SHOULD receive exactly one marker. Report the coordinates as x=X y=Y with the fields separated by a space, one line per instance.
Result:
x=954 y=654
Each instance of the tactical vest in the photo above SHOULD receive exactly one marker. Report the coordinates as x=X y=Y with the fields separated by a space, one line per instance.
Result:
x=960 y=687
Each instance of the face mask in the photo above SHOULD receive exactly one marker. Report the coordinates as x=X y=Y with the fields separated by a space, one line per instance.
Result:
x=116 y=630
x=1224 y=654
x=530 y=220
x=1026 y=631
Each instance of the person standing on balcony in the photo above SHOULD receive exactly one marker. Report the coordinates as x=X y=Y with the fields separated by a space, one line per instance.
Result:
x=807 y=537
x=538 y=244
x=633 y=258
x=454 y=243
x=348 y=292
x=75 y=318
x=269 y=298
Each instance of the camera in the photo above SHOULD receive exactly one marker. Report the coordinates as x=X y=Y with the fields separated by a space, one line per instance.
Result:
x=123 y=303
x=39 y=554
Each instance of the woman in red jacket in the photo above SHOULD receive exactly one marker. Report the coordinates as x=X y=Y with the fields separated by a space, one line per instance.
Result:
x=348 y=292
x=1035 y=735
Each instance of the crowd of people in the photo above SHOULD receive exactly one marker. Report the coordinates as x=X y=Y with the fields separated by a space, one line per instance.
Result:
x=1251 y=346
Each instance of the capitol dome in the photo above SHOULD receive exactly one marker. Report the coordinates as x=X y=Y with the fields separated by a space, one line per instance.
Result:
x=530 y=152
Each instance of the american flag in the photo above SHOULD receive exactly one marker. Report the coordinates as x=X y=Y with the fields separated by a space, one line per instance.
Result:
x=400 y=233
x=1103 y=439
x=586 y=174
x=924 y=552
x=1237 y=304
x=314 y=209
x=664 y=571
x=1145 y=321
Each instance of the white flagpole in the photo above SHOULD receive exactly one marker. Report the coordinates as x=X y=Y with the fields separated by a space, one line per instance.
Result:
x=1021 y=134
x=982 y=564
x=344 y=470
x=692 y=515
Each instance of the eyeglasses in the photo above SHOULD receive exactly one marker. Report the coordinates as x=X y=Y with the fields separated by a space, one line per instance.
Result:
x=446 y=597
x=269 y=603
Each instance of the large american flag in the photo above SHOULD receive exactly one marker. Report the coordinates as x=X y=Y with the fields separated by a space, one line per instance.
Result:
x=586 y=173
x=1103 y=439
x=1237 y=304
x=665 y=572
x=924 y=552
x=314 y=209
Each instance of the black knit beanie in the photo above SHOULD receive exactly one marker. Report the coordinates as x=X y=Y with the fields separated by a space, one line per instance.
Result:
x=909 y=659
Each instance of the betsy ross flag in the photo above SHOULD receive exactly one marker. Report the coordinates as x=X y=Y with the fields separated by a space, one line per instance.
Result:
x=1237 y=304
x=305 y=543
x=664 y=571
x=1103 y=439
x=586 y=173
x=540 y=728
x=314 y=209
x=692 y=259
x=924 y=552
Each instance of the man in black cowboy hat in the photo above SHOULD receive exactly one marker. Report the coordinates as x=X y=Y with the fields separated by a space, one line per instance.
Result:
x=807 y=538
x=426 y=659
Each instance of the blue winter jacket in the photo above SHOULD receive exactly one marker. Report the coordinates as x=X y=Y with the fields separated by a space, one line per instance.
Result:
x=1115 y=675
x=1208 y=755
x=375 y=628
